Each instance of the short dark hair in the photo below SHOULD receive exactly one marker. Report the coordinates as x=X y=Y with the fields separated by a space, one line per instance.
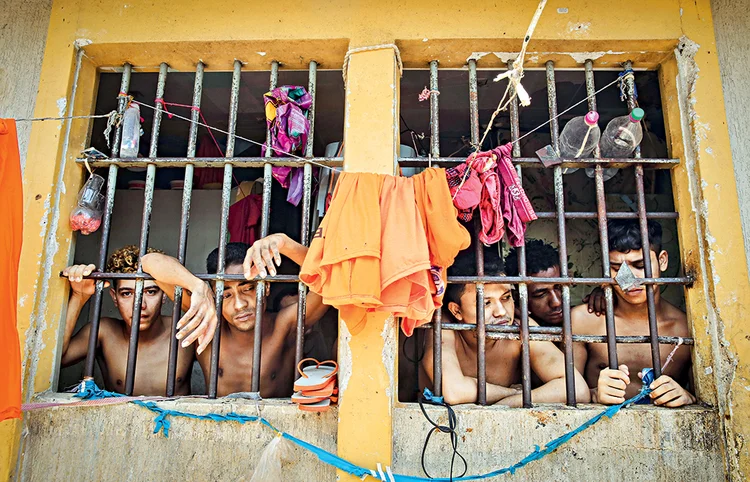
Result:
x=465 y=264
x=540 y=256
x=625 y=235
x=233 y=255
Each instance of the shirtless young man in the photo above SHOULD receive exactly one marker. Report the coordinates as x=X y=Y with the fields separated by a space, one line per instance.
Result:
x=114 y=334
x=503 y=357
x=631 y=318
x=545 y=299
x=238 y=310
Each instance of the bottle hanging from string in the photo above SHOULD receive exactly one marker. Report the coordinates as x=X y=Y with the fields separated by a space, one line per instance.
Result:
x=86 y=217
x=622 y=135
x=579 y=138
x=131 y=132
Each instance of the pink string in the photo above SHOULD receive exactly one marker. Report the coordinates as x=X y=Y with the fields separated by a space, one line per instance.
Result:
x=203 y=120
x=425 y=94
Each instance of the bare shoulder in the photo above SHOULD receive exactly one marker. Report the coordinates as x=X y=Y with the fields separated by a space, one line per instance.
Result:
x=674 y=320
x=584 y=322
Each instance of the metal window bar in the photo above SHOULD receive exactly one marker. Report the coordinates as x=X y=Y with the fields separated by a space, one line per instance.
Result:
x=187 y=194
x=523 y=294
x=266 y=209
x=96 y=307
x=299 y=351
x=645 y=243
x=480 y=327
x=226 y=192
x=570 y=388
x=601 y=209
x=148 y=197
x=437 y=332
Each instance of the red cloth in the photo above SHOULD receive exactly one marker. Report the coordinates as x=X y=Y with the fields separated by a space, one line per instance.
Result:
x=517 y=209
x=244 y=217
x=207 y=175
x=11 y=199
x=465 y=188
x=490 y=213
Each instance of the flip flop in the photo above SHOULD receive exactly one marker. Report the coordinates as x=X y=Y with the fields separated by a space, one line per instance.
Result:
x=317 y=407
x=302 y=399
x=326 y=391
x=315 y=378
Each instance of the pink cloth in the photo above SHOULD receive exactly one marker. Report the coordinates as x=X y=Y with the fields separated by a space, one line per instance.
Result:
x=244 y=217
x=516 y=207
x=490 y=213
x=469 y=195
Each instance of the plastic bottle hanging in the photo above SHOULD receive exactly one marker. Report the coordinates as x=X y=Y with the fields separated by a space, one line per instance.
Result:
x=86 y=217
x=131 y=132
x=579 y=138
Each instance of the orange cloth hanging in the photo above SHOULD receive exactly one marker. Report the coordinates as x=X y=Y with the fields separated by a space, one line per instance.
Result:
x=11 y=198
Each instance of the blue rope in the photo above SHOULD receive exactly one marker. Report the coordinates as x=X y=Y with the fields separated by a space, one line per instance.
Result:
x=623 y=93
x=89 y=390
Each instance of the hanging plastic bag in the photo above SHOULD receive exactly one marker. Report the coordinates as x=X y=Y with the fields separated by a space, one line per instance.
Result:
x=86 y=217
x=278 y=451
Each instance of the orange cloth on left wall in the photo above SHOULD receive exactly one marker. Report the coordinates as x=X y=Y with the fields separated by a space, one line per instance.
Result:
x=11 y=199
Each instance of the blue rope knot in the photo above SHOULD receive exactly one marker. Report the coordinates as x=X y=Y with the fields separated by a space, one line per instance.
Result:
x=623 y=93
x=430 y=397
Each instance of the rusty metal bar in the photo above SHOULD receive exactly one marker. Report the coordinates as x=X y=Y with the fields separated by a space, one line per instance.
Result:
x=526 y=162
x=685 y=281
x=226 y=193
x=187 y=194
x=653 y=325
x=148 y=199
x=242 y=162
x=602 y=215
x=96 y=307
x=523 y=294
x=434 y=111
x=665 y=340
x=609 y=215
x=312 y=83
x=437 y=320
x=570 y=388
x=481 y=340
x=261 y=287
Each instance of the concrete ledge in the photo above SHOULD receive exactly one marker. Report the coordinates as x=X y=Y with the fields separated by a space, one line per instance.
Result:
x=116 y=442
x=639 y=443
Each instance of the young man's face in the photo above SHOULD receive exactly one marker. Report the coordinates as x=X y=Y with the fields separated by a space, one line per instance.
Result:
x=634 y=259
x=239 y=301
x=545 y=299
x=498 y=305
x=123 y=294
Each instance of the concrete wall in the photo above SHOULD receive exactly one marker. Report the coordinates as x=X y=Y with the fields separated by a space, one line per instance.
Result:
x=117 y=442
x=23 y=31
x=731 y=24
x=639 y=444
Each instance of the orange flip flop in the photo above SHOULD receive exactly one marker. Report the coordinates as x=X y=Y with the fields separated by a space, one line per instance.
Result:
x=302 y=399
x=317 y=377
x=317 y=407
x=326 y=391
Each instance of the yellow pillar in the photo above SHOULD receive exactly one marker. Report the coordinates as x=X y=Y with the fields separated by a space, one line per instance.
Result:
x=367 y=360
x=710 y=231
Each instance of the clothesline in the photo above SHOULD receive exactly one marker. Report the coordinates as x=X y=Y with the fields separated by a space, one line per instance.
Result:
x=279 y=151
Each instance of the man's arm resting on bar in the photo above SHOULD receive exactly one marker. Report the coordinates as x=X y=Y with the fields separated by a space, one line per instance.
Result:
x=548 y=362
x=457 y=387
x=199 y=322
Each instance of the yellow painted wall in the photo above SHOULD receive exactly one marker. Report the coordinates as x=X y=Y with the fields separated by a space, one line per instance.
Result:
x=146 y=33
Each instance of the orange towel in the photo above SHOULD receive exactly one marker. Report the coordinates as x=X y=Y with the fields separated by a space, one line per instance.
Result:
x=11 y=199
x=384 y=245
x=405 y=258
x=343 y=263
x=445 y=235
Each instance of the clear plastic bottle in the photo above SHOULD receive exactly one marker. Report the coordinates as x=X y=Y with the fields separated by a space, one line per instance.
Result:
x=579 y=138
x=131 y=132
x=622 y=135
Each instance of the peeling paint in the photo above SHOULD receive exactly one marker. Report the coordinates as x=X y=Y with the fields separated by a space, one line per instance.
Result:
x=22 y=300
x=476 y=56
x=579 y=28
x=345 y=358
x=390 y=348
x=562 y=10
x=506 y=56
x=82 y=42
x=62 y=103
x=582 y=57
x=262 y=54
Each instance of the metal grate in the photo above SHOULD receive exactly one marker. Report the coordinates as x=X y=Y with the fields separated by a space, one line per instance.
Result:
x=229 y=162
x=563 y=335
